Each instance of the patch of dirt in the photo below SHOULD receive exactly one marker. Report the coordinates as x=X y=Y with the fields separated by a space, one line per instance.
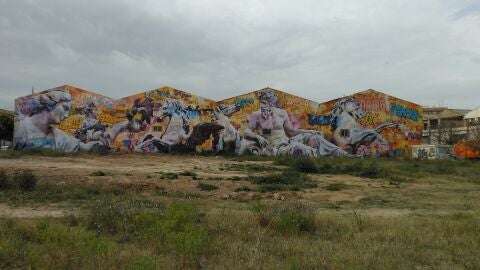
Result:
x=7 y=211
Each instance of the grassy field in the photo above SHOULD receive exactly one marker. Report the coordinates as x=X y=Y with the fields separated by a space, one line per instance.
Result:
x=237 y=213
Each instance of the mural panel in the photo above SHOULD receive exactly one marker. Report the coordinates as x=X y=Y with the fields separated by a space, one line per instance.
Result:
x=270 y=122
x=370 y=123
x=64 y=118
x=163 y=120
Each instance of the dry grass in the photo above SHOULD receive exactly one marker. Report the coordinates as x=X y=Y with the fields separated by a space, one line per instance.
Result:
x=409 y=215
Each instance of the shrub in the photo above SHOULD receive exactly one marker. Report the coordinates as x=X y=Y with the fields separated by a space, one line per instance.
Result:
x=4 y=184
x=188 y=173
x=336 y=186
x=206 y=187
x=98 y=173
x=242 y=188
x=372 y=170
x=182 y=233
x=168 y=175
x=286 y=180
x=262 y=216
x=25 y=181
x=295 y=218
x=327 y=168
x=305 y=165
x=110 y=217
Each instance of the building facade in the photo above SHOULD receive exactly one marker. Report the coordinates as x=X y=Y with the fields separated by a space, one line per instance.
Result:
x=263 y=122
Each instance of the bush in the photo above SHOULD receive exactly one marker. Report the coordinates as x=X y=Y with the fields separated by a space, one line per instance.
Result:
x=295 y=218
x=206 y=187
x=98 y=173
x=183 y=235
x=168 y=175
x=286 y=180
x=25 y=181
x=188 y=173
x=305 y=165
x=262 y=216
x=110 y=217
x=4 y=184
x=327 y=168
x=336 y=186
x=242 y=188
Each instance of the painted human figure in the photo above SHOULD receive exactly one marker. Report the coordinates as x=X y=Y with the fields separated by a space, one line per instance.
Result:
x=36 y=124
x=92 y=129
x=272 y=129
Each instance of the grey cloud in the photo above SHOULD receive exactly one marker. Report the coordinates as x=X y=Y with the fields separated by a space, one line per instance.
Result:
x=416 y=50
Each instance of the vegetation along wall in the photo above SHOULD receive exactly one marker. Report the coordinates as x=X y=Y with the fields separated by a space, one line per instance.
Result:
x=263 y=122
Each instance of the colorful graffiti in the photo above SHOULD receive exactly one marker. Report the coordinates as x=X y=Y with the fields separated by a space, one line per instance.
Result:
x=64 y=118
x=264 y=122
x=371 y=123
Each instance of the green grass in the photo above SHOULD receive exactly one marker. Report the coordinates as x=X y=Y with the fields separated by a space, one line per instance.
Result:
x=285 y=180
x=414 y=215
x=336 y=186
x=206 y=187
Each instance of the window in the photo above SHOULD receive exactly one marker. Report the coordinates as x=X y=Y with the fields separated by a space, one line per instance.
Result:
x=345 y=132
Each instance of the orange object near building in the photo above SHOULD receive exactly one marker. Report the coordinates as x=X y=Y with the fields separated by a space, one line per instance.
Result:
x=463 y=150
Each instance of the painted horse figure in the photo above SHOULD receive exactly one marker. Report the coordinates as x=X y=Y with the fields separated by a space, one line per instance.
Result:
x=229 y=138
x=349 y=134
x=178 y=134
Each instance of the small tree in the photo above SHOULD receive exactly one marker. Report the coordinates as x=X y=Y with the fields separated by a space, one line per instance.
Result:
x=6 y=127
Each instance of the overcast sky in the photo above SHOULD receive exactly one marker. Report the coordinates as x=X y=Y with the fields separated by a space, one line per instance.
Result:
x=425 y=51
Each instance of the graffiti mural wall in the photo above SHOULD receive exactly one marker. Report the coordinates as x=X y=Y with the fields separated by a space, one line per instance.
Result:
x=264 y=122
x=63 y=118
x=370 y=123
x=271 y=122
x=163 y=120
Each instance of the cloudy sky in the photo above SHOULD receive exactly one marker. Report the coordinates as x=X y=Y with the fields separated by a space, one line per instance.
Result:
x=426 y=51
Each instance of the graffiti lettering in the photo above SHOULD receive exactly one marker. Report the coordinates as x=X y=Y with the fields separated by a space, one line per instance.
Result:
x=320 y=120
x=71 y=123
x=106 y=118
x=414 y=135
x=373 y=104
x=243 y=102
x=296 y=101
x=401 y=111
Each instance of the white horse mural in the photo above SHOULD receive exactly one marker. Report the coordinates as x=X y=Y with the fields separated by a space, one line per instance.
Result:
x=349 y=135
x=178 y=135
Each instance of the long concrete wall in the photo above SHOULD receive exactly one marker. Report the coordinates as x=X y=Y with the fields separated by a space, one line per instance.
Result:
x=263 y=122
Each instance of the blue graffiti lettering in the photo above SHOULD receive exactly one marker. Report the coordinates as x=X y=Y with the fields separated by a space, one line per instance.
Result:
x=401 y=111
x=320 y=120
x=243 y=102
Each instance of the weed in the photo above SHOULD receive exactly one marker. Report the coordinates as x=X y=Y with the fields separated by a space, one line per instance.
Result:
x=262 y=216
x=98 y=173
x=110 y=217
x=24 y=181
x=305 y=165
x=295 y=218
x=179 y=194
x=359 y=220
x=336 y=186
x=188 y=173
x=206 y=187
x=286 y=180
x=242 y=188
x=4 y=183
x=168 y=175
